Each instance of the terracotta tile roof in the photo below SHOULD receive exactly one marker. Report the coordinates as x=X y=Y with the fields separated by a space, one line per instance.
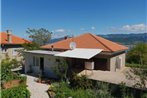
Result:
x=87 y=40
x=14 y=39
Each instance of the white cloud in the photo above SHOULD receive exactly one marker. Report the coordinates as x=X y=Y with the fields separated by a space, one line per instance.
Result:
x=58 y=33
x=136 y=28
x=92 y=28
x=82 y=29
x=59 y=30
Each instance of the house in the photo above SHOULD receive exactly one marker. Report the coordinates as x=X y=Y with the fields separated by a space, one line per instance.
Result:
x=10 y=44
x=87 y=51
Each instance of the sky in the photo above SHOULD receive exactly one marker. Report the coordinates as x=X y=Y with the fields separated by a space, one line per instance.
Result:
x=74 y=17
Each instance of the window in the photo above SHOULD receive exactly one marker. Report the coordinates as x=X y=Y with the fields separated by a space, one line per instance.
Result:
x=14 y=52
x=4 y=50
x=118 y=62
x=36 y=61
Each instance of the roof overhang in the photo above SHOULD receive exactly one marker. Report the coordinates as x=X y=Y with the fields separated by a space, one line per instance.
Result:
x=42 y=52
x=80 y=53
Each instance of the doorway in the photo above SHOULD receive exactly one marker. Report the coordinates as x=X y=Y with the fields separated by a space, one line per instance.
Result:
x=42 y=63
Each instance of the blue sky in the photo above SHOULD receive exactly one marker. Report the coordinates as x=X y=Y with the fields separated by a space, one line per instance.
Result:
x=74 y=17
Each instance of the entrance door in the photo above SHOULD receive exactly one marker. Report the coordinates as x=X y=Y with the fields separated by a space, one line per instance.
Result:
x=42 y=63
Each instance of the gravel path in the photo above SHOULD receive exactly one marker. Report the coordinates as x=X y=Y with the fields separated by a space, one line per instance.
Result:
x=37 y=90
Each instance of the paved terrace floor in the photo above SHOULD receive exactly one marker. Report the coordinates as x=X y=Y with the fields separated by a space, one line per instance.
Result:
x=111 y=77
x=37 y=90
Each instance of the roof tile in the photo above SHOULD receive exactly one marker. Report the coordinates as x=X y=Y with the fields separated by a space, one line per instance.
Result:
x=15 y=39
x=87 y=40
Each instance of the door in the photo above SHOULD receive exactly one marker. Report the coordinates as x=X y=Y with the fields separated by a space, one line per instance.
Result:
x=42 y=63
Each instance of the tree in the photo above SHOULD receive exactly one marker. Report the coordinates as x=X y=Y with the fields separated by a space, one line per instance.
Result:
x=138 y=55
x=40 y=36
x=61 y=68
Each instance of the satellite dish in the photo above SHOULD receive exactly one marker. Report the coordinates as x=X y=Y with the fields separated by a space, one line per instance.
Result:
x=72 y=45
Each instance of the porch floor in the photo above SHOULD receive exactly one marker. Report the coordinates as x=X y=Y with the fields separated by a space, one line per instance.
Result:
x=111 y=77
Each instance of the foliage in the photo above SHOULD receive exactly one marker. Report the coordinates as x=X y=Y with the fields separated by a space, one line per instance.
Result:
x=144 y=95
x=6 y=73
x=133 y=65
x=80 y=82
x=61 y=68
x=15 y=92
x=40 y=36
x=101 y=90
x=31 y=46
x=64 y=90
x=11 y=63
x=138 y=54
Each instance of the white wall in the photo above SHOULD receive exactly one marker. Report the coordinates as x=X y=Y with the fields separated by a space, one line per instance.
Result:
x=11 y=53
x=113 y=62
x=49 y=63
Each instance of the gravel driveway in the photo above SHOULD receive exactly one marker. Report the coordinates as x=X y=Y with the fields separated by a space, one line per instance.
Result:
x=37 y=90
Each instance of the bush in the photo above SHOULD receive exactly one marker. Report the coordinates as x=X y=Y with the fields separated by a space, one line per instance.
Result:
x=80 y=82
x=61 y=69
x=6 y=73
x=63 y=90
x=135 y=65
x=16 y=92
x=144 y=95
x=138 y=54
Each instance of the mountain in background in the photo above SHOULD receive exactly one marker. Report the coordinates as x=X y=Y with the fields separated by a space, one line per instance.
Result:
x=125 y=39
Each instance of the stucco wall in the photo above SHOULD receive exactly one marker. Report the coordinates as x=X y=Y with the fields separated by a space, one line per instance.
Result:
x=10 y=53
x=49 y=63
x=113 y=62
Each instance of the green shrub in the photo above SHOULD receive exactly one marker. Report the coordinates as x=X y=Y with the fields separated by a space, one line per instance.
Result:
x=7 y=74
x=14 y=63
x=63 y=90
x=80 y=82
x=133 y=65
x=16 y=92
x=144 y=95
x=61 y=69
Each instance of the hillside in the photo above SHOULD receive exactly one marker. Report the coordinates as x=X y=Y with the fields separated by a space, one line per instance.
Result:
x=126 y=39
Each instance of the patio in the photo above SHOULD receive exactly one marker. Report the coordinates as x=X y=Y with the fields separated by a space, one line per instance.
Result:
x=37 y=90
x=111 y=77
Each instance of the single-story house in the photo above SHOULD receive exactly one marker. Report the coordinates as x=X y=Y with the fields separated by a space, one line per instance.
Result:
x=10 y=44
x=85 y=51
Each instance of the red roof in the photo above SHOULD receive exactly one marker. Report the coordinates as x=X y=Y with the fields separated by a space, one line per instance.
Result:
x=87 y=40
x=14 y=39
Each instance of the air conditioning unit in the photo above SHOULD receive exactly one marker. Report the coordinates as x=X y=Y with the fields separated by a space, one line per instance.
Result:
x=89 y=65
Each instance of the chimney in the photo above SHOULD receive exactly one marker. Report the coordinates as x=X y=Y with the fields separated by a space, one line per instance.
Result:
x=52 y=46
x=65 y=37
x=9 y=39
